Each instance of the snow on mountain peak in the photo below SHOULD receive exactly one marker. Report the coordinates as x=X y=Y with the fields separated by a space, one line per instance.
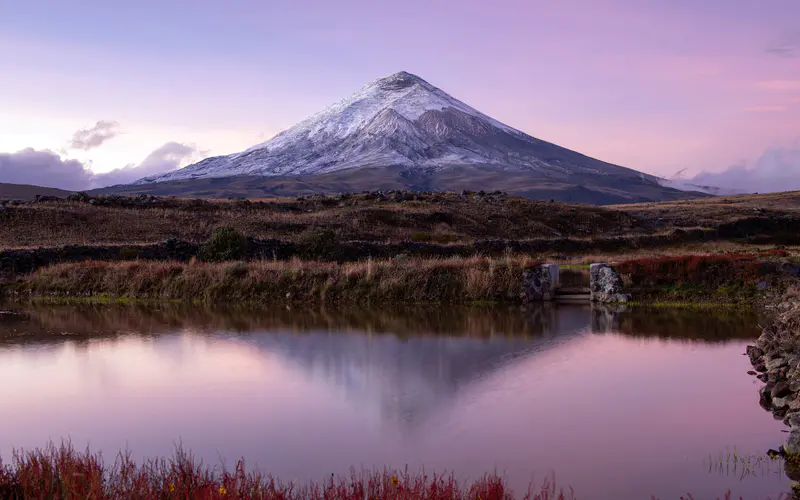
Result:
x=398 y=120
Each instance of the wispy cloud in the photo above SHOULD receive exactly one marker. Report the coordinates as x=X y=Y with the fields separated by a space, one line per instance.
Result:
x=787 y=46
x=779 y=85
x=765 y=108
x=778 y=169
x=93 y=137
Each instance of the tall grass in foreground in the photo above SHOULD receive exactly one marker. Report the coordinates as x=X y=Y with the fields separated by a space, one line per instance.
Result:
x=396 y=280
x=61 y=473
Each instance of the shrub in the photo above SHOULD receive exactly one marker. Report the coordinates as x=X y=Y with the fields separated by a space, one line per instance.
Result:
x=225 y=244
x=318 y=243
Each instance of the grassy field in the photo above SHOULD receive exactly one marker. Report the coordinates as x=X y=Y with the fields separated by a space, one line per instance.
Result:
x=443 y=218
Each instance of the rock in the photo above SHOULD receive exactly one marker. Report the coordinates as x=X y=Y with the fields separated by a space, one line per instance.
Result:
x=780 y=389
x=755 y=354
x=760 y=368
x=794 y=386
x=792 y=444
x=762 y=377
x=762 y=285
x=537 y=285
x=605 y=284
x=751 y=372
x=794 y=421
x=775 y=363
x=765 y=399
x=794 y=405
x=779 y=403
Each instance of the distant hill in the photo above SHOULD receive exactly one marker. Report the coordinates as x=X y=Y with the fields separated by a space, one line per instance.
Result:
x=28 y=192
x=401 y=132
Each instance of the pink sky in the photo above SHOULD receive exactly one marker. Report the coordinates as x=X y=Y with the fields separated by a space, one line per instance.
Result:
x=655 y=86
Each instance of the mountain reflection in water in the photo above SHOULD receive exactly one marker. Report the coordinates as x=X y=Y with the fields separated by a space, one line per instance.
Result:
x=305 y=392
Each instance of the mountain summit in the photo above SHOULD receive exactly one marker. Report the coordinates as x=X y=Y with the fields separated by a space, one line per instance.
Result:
x=420 y=137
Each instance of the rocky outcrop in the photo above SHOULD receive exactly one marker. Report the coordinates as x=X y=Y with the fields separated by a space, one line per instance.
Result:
x=775 y=357
x=605 y=284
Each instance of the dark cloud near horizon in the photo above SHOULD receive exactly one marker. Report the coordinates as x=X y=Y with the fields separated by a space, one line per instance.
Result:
x=48 y=169
x=778 y=169
x=788 y=46
x=43 y=168
x=90 y=138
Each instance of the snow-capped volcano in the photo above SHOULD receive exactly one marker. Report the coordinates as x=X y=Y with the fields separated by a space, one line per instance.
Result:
x=399 y=121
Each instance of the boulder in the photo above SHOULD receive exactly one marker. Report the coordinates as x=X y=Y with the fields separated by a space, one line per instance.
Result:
x=605 y=284
x=792 y=445
x=780 y=389
x=775 y=363
x=755 y=354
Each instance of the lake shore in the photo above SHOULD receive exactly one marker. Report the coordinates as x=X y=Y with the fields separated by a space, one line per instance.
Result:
x=775 y=357
x=690 y=280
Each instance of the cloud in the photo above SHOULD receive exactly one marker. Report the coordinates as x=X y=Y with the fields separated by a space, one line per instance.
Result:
x=48 y=169
x=778 y=169
x=43 y=168
x=779 y=85
x=788 y=46
x=765 y=108
x=170 y=156
x=90 y=138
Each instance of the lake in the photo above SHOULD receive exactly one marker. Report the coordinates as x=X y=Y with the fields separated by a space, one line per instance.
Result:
x=617 y=403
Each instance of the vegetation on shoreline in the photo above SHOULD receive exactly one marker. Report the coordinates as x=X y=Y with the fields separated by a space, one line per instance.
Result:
x=725 y=279
x=456 y=280
x=63 y=473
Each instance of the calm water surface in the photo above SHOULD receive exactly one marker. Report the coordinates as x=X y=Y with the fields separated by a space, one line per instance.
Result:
x=618 y=404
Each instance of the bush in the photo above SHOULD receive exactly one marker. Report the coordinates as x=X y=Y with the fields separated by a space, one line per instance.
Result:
x=224 y=244
x=318 y=243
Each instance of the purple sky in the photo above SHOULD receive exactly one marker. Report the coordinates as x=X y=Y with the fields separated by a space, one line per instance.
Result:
x=656 y=86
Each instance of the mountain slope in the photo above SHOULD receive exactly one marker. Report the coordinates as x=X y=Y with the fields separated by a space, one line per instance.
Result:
x=411 y=129
x=28 y=192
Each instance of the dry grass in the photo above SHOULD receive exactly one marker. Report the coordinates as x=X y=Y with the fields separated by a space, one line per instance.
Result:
x=393 y=281
x=438 y=217
x=706 y=212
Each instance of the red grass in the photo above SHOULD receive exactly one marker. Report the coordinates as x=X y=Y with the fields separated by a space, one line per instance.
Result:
x=62 y=473
x=713 y=270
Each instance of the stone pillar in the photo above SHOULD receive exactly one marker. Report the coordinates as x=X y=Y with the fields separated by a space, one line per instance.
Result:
x=552 y=270
x=538 y=284
x=605 y=284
